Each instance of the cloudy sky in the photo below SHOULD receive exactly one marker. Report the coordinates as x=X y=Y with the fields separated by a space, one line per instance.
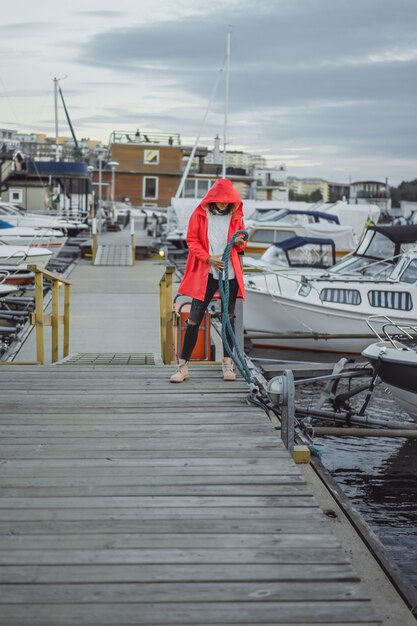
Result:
x=327 y=86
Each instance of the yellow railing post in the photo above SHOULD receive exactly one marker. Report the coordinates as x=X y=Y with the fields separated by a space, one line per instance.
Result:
x=39 y=322
x=67 y=291
x=55 y=321
x=94 y=239
x=165 y=300
x=132 y=240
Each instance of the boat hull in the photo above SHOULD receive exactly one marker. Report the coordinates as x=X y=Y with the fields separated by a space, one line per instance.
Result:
x=398 y=369
x=285 y=316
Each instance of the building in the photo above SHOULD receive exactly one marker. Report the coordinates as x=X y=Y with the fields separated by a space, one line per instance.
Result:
x=150 y=167
x=271 y=183
x=307 y=186
x=371 y=192
x=338 y=191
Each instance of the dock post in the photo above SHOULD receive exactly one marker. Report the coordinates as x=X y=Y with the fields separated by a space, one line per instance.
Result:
x=132 y=240
x=165 y=300
x=67 y=292
x=94 y=235
x=39 y=320
x=55 y=321
x=287 y=410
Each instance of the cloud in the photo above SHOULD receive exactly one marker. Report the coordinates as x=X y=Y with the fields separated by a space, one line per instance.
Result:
x=103 y=13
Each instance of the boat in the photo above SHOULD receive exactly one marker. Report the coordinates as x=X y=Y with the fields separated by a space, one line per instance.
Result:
x=394 y=359
x=16 y=255
x=19 y=235
x=16 y=275
x=305 y=254
x=6 y=289
x=329 y=312
x=17 y=217
x=313 y=224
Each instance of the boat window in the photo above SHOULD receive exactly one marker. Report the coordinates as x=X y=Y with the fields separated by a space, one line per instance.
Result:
x=282 y=235
x=400 y=300
x=262 y=236
x=410 y=273
x=380 y=247
x=341 y=296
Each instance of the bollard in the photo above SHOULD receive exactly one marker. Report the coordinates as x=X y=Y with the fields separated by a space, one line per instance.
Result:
x=288 y=410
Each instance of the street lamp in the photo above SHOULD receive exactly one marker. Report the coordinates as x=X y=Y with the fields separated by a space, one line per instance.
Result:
x=113 y=165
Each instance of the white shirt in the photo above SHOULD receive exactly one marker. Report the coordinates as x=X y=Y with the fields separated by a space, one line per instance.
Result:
x=218 y=230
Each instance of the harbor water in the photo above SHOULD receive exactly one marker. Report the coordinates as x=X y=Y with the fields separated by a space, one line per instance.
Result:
x=378 y=475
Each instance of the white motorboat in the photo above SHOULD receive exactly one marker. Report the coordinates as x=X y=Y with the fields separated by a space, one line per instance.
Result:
x=17 y=217
x=19 y=235
x=394 y=359
x=16 y=255
x=6 y=289
x=313 y=224
x=329 y=312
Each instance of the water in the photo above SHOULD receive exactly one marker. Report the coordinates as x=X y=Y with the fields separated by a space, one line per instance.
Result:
x=378 y=475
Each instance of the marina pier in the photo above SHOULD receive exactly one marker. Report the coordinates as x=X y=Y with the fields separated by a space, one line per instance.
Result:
x=129 y=500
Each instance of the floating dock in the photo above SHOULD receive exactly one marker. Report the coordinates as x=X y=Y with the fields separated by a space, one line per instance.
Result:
x=128 y=500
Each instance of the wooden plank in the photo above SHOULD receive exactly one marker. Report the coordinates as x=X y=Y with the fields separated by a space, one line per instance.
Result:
x=196 y=614
x=152 y=502
x=178 y=572
x=182 y=592
x=172 y=555
x=166 y=541
x=153 y=491
x=114 y=526
x=158 y=513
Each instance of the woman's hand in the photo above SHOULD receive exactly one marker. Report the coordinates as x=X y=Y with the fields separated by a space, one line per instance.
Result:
x=216 y=262
x=239 y=241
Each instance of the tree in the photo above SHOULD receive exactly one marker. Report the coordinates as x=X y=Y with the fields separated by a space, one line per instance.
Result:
x=316 y=196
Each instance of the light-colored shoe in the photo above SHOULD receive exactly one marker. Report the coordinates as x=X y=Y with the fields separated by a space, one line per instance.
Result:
x=181 y=374
x=228 y=371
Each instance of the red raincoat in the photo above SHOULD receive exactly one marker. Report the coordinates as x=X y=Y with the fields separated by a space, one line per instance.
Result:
x=197 y=269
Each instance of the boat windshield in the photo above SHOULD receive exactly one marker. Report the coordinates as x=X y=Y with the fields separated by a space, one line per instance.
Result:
x=376 y=245
x=271 y=215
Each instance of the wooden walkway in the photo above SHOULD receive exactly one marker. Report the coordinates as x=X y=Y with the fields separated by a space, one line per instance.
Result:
x=127 y=500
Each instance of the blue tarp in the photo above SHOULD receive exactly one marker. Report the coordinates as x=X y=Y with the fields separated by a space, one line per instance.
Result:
x=297 y=242
x=4 y=225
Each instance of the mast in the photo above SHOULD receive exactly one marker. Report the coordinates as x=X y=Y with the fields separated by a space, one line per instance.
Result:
x=226 y=103
x=56 y=80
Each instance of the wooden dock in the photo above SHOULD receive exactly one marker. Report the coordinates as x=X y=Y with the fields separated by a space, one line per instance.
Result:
x=127 y=500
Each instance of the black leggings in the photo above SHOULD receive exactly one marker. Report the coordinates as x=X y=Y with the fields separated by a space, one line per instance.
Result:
x=198 y=308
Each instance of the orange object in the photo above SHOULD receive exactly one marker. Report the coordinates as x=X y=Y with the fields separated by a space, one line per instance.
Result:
x=201 y=351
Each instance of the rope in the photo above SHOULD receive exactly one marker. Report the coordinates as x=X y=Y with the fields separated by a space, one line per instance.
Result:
x=238 y=358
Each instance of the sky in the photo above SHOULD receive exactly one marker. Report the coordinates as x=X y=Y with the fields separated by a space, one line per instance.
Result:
x=328 y=87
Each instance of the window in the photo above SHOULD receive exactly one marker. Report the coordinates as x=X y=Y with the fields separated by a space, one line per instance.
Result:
x=341 y=296
x=262 y=236
x=16 y=195
x=150 y=187
x=400 y=300
x=283 y=235
x=189 y=189
x=202 y=188
x=410 y=273
x=151 y=157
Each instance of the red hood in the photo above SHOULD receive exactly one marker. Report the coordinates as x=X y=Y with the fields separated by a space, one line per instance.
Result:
x=222 y=191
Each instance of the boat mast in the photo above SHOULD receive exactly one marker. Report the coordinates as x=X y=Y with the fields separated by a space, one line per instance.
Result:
x=56 y=80
x=226 y=103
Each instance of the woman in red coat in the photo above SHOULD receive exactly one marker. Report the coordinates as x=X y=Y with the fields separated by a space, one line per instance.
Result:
x=211 y=226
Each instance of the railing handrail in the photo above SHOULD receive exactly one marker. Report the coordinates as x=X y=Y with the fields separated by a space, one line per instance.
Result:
x=48 y=274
